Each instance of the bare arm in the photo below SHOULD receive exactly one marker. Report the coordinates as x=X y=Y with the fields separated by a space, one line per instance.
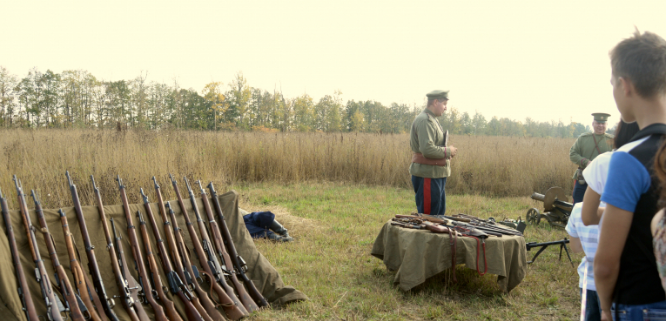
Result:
x=613 y=236
x=589 y=213
x=575 y=245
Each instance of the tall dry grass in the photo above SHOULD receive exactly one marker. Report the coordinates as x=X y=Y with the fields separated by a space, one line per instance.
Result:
x=496 y=166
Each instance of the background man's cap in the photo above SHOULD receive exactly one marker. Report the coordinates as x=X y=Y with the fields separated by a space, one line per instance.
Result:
x=600 y=117
x=438 y=94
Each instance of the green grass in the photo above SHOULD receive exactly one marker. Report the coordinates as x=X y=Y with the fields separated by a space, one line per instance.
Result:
x=335 y=225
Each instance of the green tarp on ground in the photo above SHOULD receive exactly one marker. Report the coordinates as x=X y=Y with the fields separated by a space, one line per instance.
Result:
x=416 y=255
x=263 y=274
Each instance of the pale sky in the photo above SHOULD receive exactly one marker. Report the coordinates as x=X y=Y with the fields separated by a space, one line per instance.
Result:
x=547 y=60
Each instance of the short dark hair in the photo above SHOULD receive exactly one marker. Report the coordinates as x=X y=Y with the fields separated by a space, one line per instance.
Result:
x=642 y=60
x=430 y=101
x=624 y=132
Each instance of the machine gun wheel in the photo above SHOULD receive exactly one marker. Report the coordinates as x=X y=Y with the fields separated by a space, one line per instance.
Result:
x=533 y=216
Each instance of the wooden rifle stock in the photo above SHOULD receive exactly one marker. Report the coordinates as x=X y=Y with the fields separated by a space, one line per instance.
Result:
x=129 y=300
x=175 y=284
x=61 y=277
x=138 y=257
x=232 y=259
x=224 y=292
x=52 y=312
x=22 y=282
x=170 y=308
x=106 y=302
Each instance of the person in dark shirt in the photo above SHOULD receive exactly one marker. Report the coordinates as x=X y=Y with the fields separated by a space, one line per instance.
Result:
x=625 y=271
x=264 y=225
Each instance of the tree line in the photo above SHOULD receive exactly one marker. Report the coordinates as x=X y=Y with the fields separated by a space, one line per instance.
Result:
x=76 y=98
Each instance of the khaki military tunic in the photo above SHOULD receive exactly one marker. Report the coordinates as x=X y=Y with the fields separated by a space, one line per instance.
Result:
x=427 y=138
x=584 y=151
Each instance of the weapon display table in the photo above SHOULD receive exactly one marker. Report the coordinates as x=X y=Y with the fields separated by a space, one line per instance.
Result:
x=419 y=254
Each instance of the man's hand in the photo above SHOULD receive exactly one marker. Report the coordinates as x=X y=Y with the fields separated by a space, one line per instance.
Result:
x=606 y=315
x=453 y=151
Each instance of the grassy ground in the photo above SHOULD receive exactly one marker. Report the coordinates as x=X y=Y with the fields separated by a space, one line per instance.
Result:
x=335 y=225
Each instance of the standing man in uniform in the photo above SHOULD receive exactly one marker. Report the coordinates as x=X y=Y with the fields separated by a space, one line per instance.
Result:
x=586 y=148
x=430 y=162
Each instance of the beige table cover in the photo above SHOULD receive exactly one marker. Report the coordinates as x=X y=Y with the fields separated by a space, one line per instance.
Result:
x=419 y=254
x=260 y=271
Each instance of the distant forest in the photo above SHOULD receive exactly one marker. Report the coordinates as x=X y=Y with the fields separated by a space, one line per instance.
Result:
x=77 y=99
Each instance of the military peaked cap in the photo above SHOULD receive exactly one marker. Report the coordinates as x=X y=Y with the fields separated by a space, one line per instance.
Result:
x=600 y=117
x=438 y=94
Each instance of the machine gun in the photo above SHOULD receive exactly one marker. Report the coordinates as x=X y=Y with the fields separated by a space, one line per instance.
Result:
x=544 y=245
x=556 y=208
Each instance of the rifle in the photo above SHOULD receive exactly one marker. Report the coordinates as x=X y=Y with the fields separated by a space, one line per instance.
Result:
x=224 y=269
x=106 y=302
x=73 y=300
x=80 y=279
x=22 y=282
x=138 y=257
x=40 y=271
x=126 y=283
x=544 y=245
x=208 y=260
x=183 y=267
x=158 y=291
x=237 y=261
x=175 y=284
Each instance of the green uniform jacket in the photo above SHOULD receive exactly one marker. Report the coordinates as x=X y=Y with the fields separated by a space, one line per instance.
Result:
x=583 y=151
x=427 y=138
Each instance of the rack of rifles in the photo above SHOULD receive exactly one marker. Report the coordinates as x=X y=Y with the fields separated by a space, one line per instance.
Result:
x=86 y=299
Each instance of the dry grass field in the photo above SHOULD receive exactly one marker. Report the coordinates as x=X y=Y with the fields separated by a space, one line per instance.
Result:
x=334 y=192
x=491 y=166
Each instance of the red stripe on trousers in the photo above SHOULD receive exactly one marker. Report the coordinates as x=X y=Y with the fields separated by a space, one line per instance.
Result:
x=426 y=196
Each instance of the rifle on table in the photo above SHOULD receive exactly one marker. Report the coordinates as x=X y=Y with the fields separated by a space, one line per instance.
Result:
x=183 y=267
x=77 y=308
x=238 y=262
x=174 y=282
x=40 y=270
x=22 y=282
x=544 y=245
x=226 y=267
x=125 y=281
x=208 y=259
x=144 y=280
x=106 y=302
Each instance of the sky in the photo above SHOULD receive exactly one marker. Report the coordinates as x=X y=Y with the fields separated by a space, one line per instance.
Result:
x=547 y=60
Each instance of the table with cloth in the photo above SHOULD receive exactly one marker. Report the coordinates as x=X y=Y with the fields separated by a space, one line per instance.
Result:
x=419 y=254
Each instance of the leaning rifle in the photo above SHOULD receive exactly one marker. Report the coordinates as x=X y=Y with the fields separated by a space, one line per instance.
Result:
x=237 y=261
x=22 y=282
x=208 y=261
x=53 y=313
x=175 y=284
x=107 y=303
x=125 y=281
x=77 y=308
x=138 y=257
x=226 y=267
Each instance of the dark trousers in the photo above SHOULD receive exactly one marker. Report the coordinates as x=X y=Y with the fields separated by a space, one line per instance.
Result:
x=430 y=196
x=592 y=306
x=579 y=192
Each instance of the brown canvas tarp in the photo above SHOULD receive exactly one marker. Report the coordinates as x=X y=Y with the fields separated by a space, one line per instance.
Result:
x=263 y=274
x=419 y=254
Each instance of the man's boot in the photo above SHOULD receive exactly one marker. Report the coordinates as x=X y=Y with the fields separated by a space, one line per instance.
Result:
x=279 y=229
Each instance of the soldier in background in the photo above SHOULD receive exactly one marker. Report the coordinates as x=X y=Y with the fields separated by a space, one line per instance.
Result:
x=586 y=148
x=430 y=162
